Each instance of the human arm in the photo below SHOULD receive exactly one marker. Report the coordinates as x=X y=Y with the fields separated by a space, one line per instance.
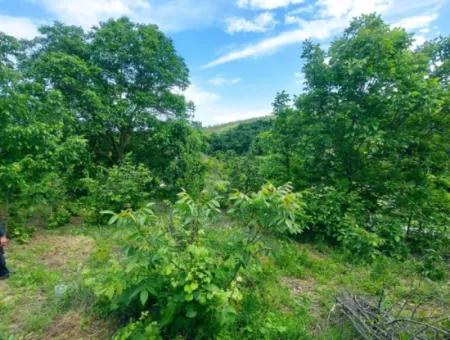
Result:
x=3 y=239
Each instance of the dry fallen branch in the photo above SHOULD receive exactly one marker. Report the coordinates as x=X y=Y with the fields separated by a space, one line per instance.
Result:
x=371 y=319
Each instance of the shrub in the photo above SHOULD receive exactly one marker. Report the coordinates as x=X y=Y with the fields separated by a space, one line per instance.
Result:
x=119 y=187
x=166 y=270
x=20 y=233
x=59 y=217
x=143 y=328
x=275 y=209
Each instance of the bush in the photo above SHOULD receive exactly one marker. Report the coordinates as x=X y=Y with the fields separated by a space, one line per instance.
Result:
x=341 y=218
x=59 y=217
x=433 y=265
x=119 y=187
x=243 y=172
x=20 y=233
x=275 y=209
x=166 y=269
x=143 y=328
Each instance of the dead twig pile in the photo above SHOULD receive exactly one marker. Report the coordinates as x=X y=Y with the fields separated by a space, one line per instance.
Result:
x=375 y=319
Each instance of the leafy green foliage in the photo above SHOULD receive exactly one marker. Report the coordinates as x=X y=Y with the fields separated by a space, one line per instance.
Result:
x=117 y=78
x=74 y=103
x=275 y=209
x=240 y=139
x=95 y=120
x=141 y=329
x=167 y=270
x=242 y=172
x=119 y=187
x=20 y=233
x=176 y=157
x=369 y=139
x=38 y=154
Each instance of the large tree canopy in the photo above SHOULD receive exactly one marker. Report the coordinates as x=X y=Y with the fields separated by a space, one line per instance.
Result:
x=117 y=79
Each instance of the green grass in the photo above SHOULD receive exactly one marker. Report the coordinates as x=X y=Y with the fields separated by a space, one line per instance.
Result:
x=291 y=289
x=28 y=304
x=288 y=290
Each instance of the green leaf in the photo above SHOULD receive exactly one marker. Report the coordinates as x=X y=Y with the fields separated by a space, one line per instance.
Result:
x=191 y=312
x=143 y=297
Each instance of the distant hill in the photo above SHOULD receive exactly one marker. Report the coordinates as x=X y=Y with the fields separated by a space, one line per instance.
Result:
x=239 y=136
x=221 y=128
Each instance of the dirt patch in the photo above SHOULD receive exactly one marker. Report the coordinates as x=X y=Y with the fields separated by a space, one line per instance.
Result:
x=74 y=325
x=76 y=220
x=299 y=286
x=62 y=250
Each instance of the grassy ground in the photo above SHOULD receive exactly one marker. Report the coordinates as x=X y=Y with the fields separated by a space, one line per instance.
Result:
x=292 y=293
x=29 y=308
x=288 y=295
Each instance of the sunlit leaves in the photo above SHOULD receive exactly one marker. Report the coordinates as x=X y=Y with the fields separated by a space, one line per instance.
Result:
x=278 y=209
x=164 y=264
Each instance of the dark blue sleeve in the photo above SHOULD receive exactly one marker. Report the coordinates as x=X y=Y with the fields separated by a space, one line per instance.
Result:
x=2 y=230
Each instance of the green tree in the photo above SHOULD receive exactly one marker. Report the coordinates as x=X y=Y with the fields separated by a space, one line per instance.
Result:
x=118 y=80
x=372 y=124
x=35 y=145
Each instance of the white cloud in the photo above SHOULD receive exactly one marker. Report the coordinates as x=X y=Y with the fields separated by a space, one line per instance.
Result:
x=210 y=107
x=18 y=27
x=200 y=96
x=418 y=41
x=419 y=21
x=230 y=115
x=304 y=9
x=219 y=81
x=351 y=8
x=403 y=8
x=292 y=19
x=87 y=13
x=334 y=16
x=171 y=15
x=177 y=15
x=317 y=29
x=266 y=4
x=299 y=78
x=261 y=23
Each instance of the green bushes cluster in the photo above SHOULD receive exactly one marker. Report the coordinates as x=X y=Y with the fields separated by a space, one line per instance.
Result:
x=169 y=277
x=122 y=186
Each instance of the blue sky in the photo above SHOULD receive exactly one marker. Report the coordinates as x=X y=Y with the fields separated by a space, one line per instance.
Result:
x=239 y=52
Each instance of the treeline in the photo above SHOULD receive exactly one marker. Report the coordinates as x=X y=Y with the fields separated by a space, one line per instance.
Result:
x=95 y=116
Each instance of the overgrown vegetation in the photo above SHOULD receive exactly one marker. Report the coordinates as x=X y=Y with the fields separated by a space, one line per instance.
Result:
x=256 y=227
